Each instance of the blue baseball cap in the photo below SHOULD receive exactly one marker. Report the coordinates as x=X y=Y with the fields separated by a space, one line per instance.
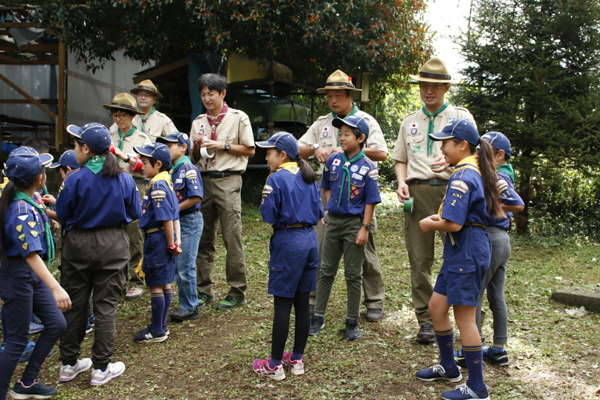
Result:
x=24 y=162
x=354 y=121
x=499 y=141
x=461 y=129
x=96 y=136
x=283 y=141
x=176 y=137
x=67 y=159
x=158 y=151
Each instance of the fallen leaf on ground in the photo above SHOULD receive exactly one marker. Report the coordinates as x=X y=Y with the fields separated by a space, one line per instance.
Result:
x=576 y=312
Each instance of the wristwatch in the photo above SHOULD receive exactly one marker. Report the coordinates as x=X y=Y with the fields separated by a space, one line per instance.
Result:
x=315 y=147
x=368 y=226
x=227 y=146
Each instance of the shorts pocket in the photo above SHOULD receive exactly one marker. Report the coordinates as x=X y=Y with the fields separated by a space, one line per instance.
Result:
x=461 y=282
x=155 y=250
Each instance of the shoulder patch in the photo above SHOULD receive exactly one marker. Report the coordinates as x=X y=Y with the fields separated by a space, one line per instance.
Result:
x=267 y=190
x=374 y=174
x=158 y=194
x=459 y=186
x=337 y=161
x=502 y=185
x=191 y=174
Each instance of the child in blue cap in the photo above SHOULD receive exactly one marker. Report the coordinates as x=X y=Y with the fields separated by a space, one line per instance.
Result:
x=493 y=281
x=291 y=204
x=95 y=203
x=25 y=236
x=472 y=201
x=187 y=184
x=351 y=190
x=160 y=224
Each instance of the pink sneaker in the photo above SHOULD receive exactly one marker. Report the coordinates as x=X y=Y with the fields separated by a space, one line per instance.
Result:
x=261 y=367
x=296 y=367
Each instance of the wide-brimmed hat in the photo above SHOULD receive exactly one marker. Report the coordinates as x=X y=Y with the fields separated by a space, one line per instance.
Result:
x=95 y=135
x=338 y=81
x=283 y=141
x=148 y=86
x=461 y=129
x=433 y=70
x=123 y=101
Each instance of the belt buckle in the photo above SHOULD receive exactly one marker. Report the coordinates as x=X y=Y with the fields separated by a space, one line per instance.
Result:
x=433 y=182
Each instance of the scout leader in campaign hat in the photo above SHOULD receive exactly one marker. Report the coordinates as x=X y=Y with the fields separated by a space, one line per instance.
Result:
x=123 y=101
x=338 y=81
x=148 y=86
x=434 y=71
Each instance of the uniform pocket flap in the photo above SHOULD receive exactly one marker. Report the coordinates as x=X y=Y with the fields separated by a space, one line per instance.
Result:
x=275 y=267
x=462 y=268
x=334 y=177
x=415 y=139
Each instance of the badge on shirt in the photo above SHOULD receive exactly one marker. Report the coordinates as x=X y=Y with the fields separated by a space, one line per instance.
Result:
x=191 y=174
x=325 y=132
x=158 y=194
x=413 y=128
x=144 y=211
x=24 y=246
x=19 y=228
x=374 y=174
x=31 y=224
x=459 y=186
x=34 y=233
x=357 y=177
x=381 y=140
x=22 y=237
x=23 y=217
x=363 y=170
x=333 y=168
x=336 y=161
x=354 y=192
x=181 y=173
x=267 y=190
x=354 y=168
x=502 y=185
x=178 y=180
x=179 y=196
x=451 y=119
x=201 y=126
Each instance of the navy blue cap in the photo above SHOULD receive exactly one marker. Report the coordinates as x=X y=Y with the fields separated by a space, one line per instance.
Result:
x=96 y=136
x=499 y=141
x=283 y=141
x=354 y=121
x=176 y=137
x=158 y=151
x=24 y=162
x=461 y=129
x=67 y=159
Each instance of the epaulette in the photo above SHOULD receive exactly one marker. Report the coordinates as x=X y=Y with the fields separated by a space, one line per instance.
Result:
x=200 y=116
x=462 y=109
x=323 y=117
x=414 y=112
x=143 y=134
x=370 y=162
x=22 y=207
x=70 y=174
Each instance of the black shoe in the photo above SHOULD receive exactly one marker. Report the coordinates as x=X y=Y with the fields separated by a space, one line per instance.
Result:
x=37 y=391
x=182 y=315
x=317 y=322
x=352 y=330
x=426 y=334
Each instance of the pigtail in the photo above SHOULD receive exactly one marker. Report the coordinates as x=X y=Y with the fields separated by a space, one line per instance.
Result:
x=490 y=180
x=308 y=174
x=7 y=196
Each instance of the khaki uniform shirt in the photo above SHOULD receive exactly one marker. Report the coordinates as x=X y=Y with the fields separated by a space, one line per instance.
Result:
x=138 y=139
x=325 y=134
x=411 y=146
x=234 y=128
x=157 y=125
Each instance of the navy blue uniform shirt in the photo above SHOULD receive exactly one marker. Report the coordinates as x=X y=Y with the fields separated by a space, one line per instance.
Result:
x=23 y=230
x=508 y=196
x=87 y=200
x=364 y=188
x=287 y=200
x=187 y=183
x=158 y=204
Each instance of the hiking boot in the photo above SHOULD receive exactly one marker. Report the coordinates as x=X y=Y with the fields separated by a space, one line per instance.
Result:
x=113 y=370
x=182 y=315
x=374 y=315
x=134 y=293
x=296 y=366
x=37 y=390
x=69 y=372
x=426 y=334
x=149 y=335
x=500 y=358
x=203 y=299
x=438 y=373
x=459 y=357
x=230 y=302
x=463 y=392
x=261 y=367
x=35 y=328
x=352 y=330
x=317 y=322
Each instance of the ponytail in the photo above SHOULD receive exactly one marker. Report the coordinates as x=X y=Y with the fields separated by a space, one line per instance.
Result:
x=111 y=167
x=308 y=174
x=490 y=180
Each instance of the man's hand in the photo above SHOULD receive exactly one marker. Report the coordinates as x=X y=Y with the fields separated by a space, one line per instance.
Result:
x=213 y=145
x=439 y=164
x=198 y=139
x=322 y=155
x=403 y=192
x=362 y=236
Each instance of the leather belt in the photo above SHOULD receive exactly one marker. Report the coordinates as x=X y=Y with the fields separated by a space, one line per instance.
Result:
x=430 y=182
x=216 y=175
x=162 y=228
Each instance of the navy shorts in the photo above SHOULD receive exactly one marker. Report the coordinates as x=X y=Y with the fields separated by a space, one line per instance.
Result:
x=465 y=265
x=294 y=261
x=159 y=265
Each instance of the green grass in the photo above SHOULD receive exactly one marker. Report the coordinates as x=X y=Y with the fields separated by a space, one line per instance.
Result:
x=552 y=355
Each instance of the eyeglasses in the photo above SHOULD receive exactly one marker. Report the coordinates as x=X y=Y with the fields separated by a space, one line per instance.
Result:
x=118 y=116
x=143 y=93
x=431 y=87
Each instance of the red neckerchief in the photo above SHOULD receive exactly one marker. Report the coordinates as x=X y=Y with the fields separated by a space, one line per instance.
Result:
x=213 y=126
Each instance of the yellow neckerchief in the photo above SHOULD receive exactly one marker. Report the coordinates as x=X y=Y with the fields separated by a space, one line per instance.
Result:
x=165 y=176
x=289 y=166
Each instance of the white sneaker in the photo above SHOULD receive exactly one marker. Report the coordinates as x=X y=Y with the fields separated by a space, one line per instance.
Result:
x=112 y=371
x=134 y=293
x=68 y=372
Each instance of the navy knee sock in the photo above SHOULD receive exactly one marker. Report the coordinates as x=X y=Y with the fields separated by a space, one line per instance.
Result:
x=445 y=340
x=157 y=301
x=168 y=298
x=474 y=360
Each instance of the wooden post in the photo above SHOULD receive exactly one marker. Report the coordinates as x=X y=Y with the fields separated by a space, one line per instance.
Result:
x=60 y=120
x=27 y=96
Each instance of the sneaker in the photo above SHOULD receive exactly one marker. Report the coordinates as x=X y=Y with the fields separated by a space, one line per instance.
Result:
x=134 y=293
x=463 y=392
x=352 y=330
x=92 y=320
x=36 y=319
x=500 y=358
x=112 y=371
x=37 y=390
x=374 y=315
x=182 y=315
x=317 y=322
x=204 y=298
x=69 y=372
x=230 y=303
x=261 y=367
x=459 y=357
x=35 y=328
x=88 y=328
x=438 y=373
x=165 y=328
x=26 y=355
x=426 y=334
x=149 y=335
x=296 y=366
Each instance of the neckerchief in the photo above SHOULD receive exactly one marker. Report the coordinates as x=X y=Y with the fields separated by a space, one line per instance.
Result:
x=430 y=129
x=347 y=163
x=165 y=176
x=180 y=161
x=354 y=111
x=145 y=118
x=122 y=137
x=507 y=169
x=213 y=126
x=47 y=231
x=95 y=164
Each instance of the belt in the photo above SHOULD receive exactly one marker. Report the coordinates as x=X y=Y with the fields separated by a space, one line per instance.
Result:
x=216 y=175
x=430 y=182
x=188 y=212
x=162 y=228
x=297 y=226
x=474 y=224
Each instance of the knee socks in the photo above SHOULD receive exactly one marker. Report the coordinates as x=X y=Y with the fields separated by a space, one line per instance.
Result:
x=168 y=298
x=445 y=340
x=157 y=301
x=474 y=359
